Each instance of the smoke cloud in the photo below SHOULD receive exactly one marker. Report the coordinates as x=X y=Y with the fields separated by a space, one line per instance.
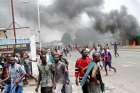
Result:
x=118 y=21
x=65 y=16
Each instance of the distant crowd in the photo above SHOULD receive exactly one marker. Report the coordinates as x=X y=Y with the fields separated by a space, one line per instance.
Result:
x=53 y=69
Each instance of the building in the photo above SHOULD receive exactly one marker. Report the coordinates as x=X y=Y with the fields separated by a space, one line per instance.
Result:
x=7 y=45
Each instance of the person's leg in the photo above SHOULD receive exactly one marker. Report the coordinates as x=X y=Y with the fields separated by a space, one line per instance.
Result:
x=101 y=64
x=7 y=88
x=85 y=88
x=12 y=89
x=63 y=89
x=43 y=90
x=94 y=88
x=118 y=53
x=106 y=63
x=59 y=87
x=49 y=90
x=68 y=88
x=19 y=89
x=115 y=52
x=110 y=66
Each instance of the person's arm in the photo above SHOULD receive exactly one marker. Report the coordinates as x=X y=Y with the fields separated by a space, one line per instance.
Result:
x=84 y=69
x=7 y=77
x=33 y=60
x=67 y=63
x=52 y=67
x=94 y=72
x=77 y=73
x=22 y=75
x=66 y=74
x=39 y=79
x=38 y=82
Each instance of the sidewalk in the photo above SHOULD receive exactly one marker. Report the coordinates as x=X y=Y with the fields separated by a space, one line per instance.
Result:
x=130 y=47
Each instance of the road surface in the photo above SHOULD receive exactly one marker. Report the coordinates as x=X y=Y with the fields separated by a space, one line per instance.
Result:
x=126 y=80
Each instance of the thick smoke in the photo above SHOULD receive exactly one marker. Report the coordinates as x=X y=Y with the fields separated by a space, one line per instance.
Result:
x=119 y=21
x=72 y=8
x=65 y=16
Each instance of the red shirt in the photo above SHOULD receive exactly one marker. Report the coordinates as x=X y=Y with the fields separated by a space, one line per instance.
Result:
x=80 y=64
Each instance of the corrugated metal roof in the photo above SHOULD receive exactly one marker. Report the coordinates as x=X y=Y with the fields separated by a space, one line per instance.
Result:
x=12 y=41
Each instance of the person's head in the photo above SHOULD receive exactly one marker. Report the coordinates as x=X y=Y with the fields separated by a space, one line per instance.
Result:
x=43 y=59
x=43 y=52
x=12 y=60
x=55 y=49
x=96 y=57
x=22 y=54
x=49 y=51
x=25 y=56
x=105 y=49
x=84 y=53
x=60 y=53
x=56 y=57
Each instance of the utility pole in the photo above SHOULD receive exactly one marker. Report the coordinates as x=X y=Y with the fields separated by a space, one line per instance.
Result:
x=38 y=19
x=13 y=21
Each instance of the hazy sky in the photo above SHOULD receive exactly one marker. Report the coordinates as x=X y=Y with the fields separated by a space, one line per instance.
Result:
x=132 y=5
x=83 y=20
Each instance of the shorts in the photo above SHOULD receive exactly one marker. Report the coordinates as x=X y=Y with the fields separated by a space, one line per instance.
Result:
x=17 y=89
x=108 y=64
x=46 y=90
x=7 y=88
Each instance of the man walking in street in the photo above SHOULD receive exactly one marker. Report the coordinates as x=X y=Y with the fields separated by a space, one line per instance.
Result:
x=60 y=73
x=16 y=73
x=115 y=48
x=45 y=78
x=80 y=68
x=107 y=58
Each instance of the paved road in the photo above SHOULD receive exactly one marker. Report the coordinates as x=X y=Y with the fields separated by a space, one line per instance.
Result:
x=126 y=80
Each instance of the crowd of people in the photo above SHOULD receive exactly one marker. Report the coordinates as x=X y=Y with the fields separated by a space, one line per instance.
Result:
x=53 y=68
x=89 y=65
x=16 y=68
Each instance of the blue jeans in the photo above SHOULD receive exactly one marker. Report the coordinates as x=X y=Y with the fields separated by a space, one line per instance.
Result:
x=17 y=89
x=7 y=88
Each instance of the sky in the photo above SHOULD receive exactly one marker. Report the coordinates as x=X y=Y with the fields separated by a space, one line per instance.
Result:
x=83 y=20
x=132 y=5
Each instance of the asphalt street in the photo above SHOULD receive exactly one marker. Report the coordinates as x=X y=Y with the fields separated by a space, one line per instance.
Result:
x=126 y=80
